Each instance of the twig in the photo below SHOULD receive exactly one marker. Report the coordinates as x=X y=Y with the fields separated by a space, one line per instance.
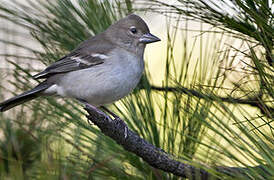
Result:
x=156 y=157
x=254 y=101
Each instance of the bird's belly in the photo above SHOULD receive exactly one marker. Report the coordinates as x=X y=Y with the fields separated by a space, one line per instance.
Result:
x=101 y=84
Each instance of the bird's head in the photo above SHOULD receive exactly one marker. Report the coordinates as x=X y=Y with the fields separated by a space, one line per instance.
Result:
x=131 y=31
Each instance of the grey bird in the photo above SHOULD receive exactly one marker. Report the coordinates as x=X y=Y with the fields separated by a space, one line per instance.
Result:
x=101 y=70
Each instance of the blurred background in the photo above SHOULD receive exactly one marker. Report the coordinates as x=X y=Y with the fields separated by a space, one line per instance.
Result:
x=206 y=97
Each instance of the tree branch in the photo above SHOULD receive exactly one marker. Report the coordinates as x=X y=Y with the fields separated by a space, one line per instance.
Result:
x=156 y=157
x=254 y=101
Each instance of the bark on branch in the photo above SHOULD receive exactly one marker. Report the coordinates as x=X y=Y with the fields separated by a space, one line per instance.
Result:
x=156 y=157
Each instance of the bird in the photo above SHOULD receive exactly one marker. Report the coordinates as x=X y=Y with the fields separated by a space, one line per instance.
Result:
x=100 y=70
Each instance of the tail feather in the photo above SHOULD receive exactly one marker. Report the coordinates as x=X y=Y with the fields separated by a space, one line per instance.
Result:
x=24 y=97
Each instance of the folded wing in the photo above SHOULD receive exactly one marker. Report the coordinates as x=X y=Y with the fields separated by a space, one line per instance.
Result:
x=70 y=63
x=91 y=52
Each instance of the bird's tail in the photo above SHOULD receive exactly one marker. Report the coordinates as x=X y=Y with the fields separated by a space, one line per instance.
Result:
x=24 y=97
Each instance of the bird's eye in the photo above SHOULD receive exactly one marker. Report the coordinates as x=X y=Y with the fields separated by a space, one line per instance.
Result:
x=133 y=30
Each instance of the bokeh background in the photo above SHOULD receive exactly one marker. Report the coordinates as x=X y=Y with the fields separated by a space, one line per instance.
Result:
x=206 y=97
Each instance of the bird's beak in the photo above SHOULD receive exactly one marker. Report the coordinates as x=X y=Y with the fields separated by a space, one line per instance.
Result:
x=148 y=38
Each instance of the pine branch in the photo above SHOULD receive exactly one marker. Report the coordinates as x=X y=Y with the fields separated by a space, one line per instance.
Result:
x=254 y=101
x=156 y=157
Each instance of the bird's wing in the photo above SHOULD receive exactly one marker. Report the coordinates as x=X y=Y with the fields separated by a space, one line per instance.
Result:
x=70 y=63
x=85 y=56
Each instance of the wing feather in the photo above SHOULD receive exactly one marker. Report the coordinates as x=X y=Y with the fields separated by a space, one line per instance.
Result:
x=92 y=52
x=70 y=63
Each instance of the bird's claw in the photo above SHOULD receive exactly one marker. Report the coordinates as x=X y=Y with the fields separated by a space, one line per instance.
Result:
x=98 y=111
x=107 y=117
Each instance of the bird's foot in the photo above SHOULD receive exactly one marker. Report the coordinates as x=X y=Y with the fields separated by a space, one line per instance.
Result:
x=116 y=119
x=110 y=112
x=98 y=111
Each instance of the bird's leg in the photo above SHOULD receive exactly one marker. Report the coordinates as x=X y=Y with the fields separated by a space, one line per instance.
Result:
x=116 y=118
x=110 y=112
x=95 y=109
